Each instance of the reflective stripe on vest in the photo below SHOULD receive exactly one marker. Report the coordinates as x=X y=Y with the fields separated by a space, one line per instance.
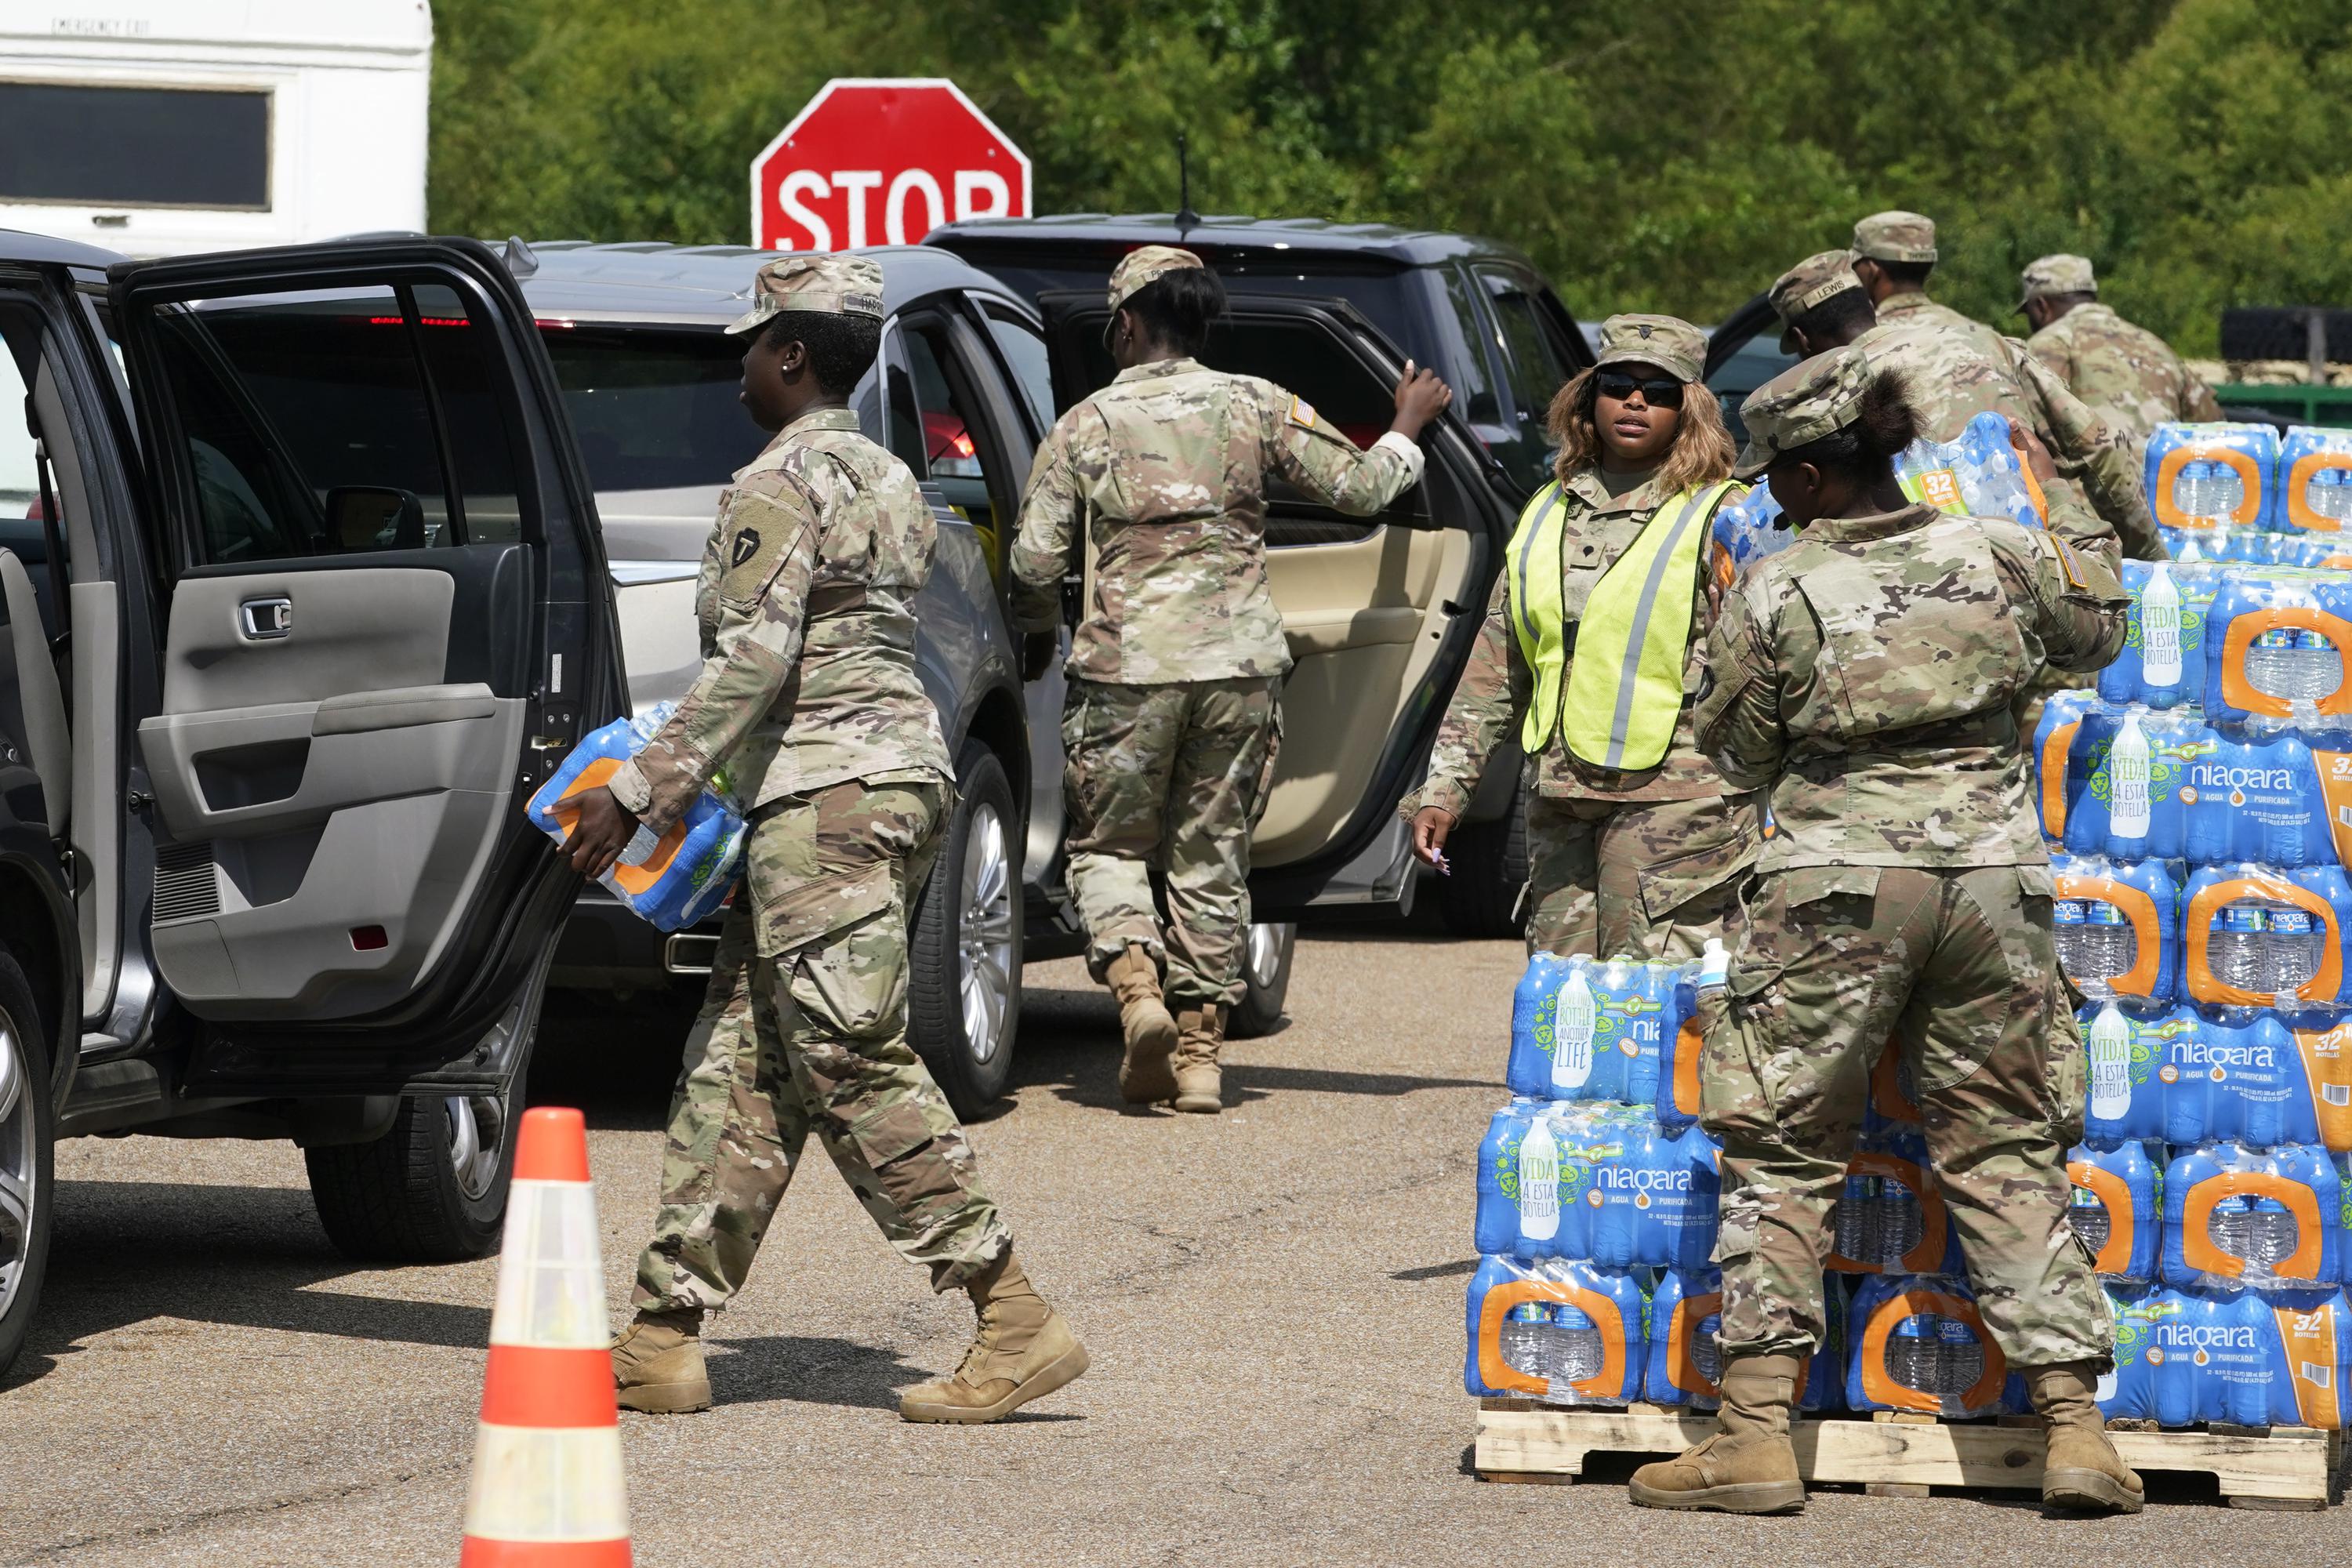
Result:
x=1617 y=704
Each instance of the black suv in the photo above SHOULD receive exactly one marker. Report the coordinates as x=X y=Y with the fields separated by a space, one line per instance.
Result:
x=1380 y=612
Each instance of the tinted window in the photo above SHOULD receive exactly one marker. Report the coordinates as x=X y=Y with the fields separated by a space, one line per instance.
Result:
x=1534 y=368
x=936 y=425
x=653 y=409
x=1749 y=366
x=1475 y=385
x=318 y=423
x=1024 y=352
x=133 y=146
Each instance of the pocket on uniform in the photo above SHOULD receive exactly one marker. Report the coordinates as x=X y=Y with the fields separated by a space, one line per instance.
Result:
x=1735 y=1086
x=910 y=1163
x=1811 y=884
x=1667 y=885
x=806 y=913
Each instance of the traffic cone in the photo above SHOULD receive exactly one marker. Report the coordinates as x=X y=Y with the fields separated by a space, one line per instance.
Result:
x=547 y=1490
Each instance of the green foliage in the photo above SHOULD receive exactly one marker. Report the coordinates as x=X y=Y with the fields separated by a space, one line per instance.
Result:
x=1658 y=157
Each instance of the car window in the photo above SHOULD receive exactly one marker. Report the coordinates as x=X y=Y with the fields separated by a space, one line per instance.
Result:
x=1748 y=367
x=654 y=408
x=1533 y=367
x=24 y=529
x=1024 y=352
x=1474 y=369
x=939 y=425
x=326 y=422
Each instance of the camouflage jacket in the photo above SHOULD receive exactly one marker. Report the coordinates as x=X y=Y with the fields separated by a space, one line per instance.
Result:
x=808 y=638
x=1497 y=685
x=1864 y=675
x=2127 y=375
x=1165 y=471
x=1951 y=383
x=1918 y=311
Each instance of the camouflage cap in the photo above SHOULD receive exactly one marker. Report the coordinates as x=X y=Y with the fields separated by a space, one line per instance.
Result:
x=2058 y=275
x=1146 y=265
x=835 y=284
x=1895 y=237
x=1801 y=405
x=1811 y=281
x=1669 y=343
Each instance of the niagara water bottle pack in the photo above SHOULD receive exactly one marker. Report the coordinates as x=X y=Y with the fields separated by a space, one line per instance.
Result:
x=673 y=878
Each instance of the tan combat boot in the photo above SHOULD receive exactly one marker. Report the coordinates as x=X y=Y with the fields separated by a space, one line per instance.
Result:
x=1145 y=1077
x=1200 y=1082
x=1024 y=1350
x=1749 y=1466
x=2082 y=1469
x=657 y=1364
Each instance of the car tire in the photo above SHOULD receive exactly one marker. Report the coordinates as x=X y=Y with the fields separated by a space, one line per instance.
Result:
x=433 y=1189
x=1266 y=981
x=963 y=989
x=27 y=1133
x=1481 y=898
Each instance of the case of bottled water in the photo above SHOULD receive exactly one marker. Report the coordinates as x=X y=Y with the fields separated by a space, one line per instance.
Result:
x=1678 y=1061
x=2314 y=492
x=1746 y=529
x=2263 y=1219
x=2115 y=927
x=1890 y=1218
x=2134 y=1055
x=1917 y=1343
x=2251 y=937
x=1978 y=474
x=2257 y=799
x=2117 y=1206
x=2058 y=779
x=672 y=879
x=2138 y=793
x=1597 y=1035
x=2275 y=639
x=2216 y=1354
x=1558 y=1331
x=1685 y=1363
x=2200 y=477
x=2163 y=661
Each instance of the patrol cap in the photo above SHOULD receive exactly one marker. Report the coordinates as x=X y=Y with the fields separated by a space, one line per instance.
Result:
x=1801 y=405
x=1895 y=237
x=1145 y=265
x=1669 y=343
x=1818 y=277
x=2058 y=275
x=834 y=284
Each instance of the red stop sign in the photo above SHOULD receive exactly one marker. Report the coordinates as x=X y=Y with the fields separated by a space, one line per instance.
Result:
x=883 y=163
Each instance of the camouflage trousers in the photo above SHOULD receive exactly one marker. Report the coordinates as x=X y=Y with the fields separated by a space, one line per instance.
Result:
x=1653 y=878
x=804 y=1028
x=1169 y=779
x=1958 y=967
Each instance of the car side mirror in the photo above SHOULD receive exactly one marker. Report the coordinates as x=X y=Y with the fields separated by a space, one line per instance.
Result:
x=374 y=517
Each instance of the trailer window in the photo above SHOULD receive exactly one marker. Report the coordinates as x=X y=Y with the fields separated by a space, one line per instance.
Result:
x=133 y=146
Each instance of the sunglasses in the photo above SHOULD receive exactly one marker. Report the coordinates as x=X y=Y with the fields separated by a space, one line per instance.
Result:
x=1663 y=392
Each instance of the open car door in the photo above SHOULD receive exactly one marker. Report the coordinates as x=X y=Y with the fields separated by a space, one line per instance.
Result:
x=389 y=619
x=1380 y=611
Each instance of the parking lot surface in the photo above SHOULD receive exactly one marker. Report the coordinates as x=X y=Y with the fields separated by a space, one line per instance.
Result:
x=1273 y=1300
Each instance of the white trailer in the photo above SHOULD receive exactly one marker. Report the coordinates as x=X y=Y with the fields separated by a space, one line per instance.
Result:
x=159 y=127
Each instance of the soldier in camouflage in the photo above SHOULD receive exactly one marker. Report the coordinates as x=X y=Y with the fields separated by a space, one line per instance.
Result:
x=808 y=697
x=1863 y=677
x=2127 y=375
x=1893 y=254
x=1644 y=862
x=1821 y=305
x=1172 y=723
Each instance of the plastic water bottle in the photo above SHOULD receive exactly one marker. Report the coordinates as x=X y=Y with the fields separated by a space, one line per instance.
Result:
x=2106 y=947
x=2113 y=1208
x=2236 y=950
x=1496 y=1226
x=2160 y=623
x=1538 y=1184
x=2127 y=776
x=2108 y=1044
x=2068 y=918
x=2292 y=948
x=1574 y=1026
x=1914 y=1351
x=1534 y=1003
x=2208 y=489
x=2130 y=1053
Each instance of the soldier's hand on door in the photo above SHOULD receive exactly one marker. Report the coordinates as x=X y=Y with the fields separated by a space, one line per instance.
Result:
x=1421 y=396
x=603 y=830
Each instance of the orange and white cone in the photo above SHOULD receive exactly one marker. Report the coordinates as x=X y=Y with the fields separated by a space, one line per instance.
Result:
x=547 y=1490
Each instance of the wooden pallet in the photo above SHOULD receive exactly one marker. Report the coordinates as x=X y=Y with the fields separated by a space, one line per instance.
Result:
x=2264 y=1468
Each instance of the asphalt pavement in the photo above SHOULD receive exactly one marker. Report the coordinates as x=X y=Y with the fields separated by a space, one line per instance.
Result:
x=1273 y=1300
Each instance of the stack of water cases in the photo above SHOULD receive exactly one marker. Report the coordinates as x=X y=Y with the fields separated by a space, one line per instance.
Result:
x=2200 y=808
x=1597 y=1199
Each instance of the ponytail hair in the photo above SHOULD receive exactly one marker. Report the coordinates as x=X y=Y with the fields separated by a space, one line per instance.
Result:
x=1866 y=448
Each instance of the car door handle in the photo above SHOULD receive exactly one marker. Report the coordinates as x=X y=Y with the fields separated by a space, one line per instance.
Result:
x=266 y=620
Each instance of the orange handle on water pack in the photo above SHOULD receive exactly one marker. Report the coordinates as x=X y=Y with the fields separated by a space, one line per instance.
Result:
x=2298 y=480
x=2198 y=919
x=1681 y=1370
x=633 y=878
x=2140 y=909
x=1923 y=1258
x=2197 y=1245
x=2238 y=692
x=1883 y=1389
x=2114 y=1193
x=1608 y=1382
x=1886 y=1096
x=2248 y=472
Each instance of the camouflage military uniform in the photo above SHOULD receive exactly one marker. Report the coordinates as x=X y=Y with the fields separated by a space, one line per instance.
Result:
x=1171 y=724
x=1865 y=676
x=808 y=698
x=1642 y=863
x=1910 y=237
x=2128 y=373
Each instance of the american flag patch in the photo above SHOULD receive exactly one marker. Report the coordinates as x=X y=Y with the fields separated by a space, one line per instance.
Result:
x=1301 y=412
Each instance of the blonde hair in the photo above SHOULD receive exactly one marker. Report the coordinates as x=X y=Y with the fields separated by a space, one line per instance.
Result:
x=1702 y=452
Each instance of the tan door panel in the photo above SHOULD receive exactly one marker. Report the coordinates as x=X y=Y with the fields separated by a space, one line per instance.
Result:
x=1364 y=620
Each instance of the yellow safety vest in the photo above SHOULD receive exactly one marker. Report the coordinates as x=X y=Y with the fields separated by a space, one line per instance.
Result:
x=1616 y=705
